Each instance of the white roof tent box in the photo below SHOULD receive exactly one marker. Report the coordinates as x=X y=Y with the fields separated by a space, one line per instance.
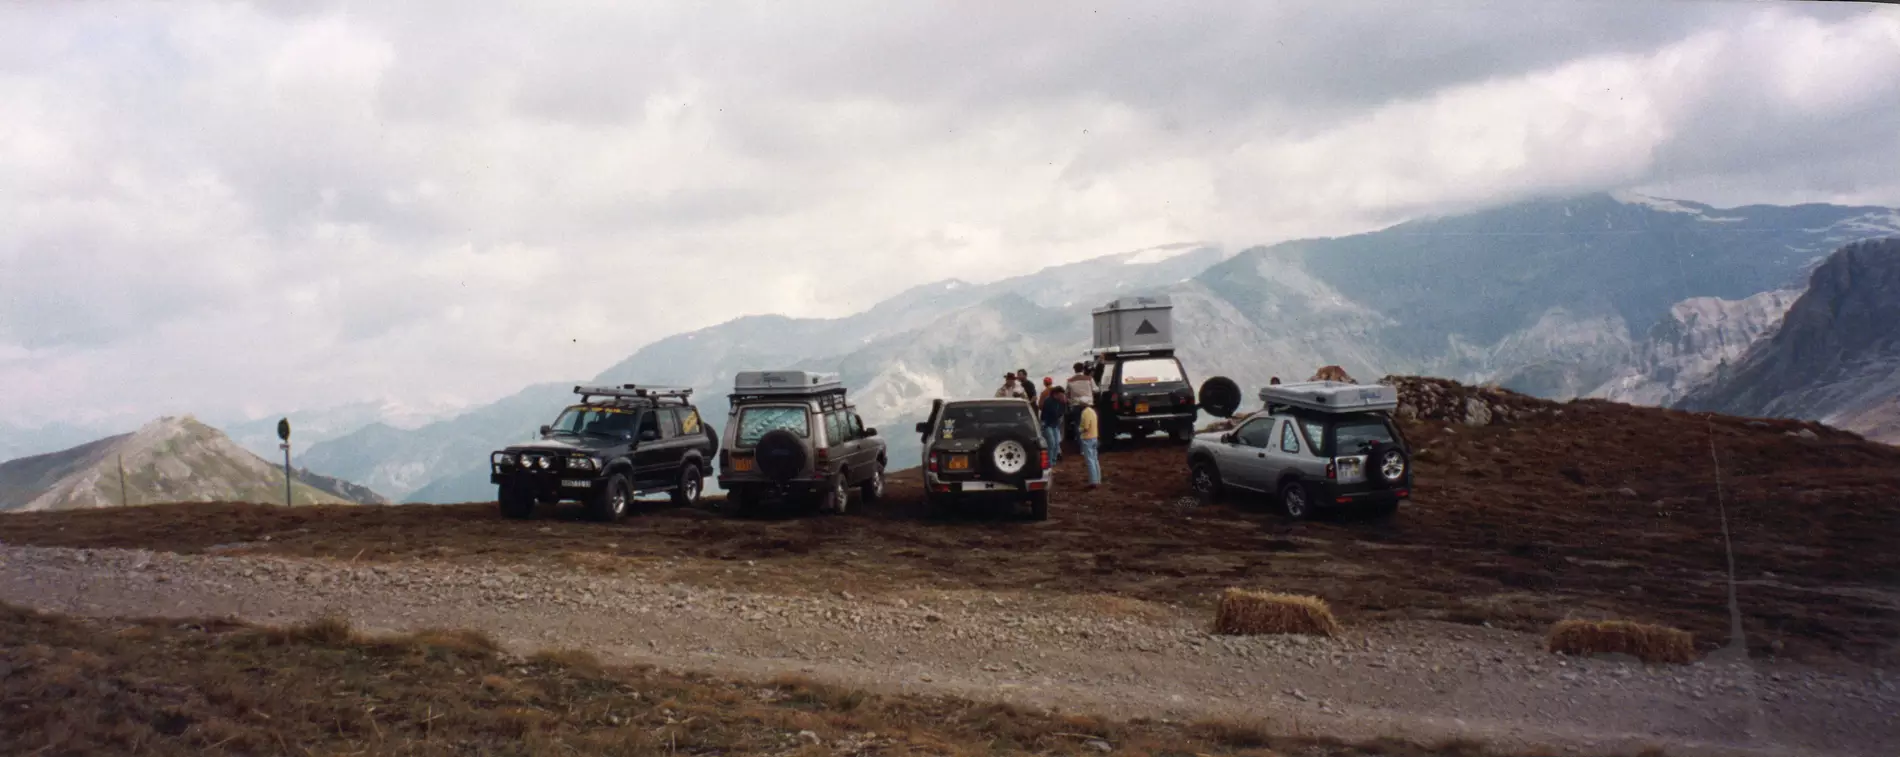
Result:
x=1134 y=324
x=1332 y=396
x=785 y=382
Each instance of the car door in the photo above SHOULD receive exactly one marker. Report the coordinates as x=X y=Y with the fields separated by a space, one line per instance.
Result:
x=649 y=452
x=1287 y=452
x=1244 y=463
x=864 y=456
x=842 y=447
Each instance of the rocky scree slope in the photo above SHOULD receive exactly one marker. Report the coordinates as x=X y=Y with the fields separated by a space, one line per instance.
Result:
x=1836 y=355
x=172 y=459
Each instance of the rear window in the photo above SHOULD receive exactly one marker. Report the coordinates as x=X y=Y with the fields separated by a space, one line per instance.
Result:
x=1154 y=370
x=975 y=421
x=1351 y=437
x=755 y=422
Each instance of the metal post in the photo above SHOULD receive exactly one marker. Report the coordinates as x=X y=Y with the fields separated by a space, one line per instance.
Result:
x=122 y=501
x=286 y=446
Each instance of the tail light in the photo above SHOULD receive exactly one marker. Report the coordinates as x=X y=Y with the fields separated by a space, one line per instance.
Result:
x=930 y=463
x=1045 y=458
x=1332 y=471
x=1405 y=492
x=823 y=456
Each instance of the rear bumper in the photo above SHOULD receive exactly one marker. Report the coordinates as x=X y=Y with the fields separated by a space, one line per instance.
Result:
x=977 y=486
x=1334 y=495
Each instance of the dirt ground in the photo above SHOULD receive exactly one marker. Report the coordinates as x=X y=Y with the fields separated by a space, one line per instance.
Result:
x=1583 y=509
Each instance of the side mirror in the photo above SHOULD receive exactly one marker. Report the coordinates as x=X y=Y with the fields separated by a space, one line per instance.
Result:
x=649 y=435
x=546 y=429
x=923 y=427
x=870 y=432
x=1227 y=438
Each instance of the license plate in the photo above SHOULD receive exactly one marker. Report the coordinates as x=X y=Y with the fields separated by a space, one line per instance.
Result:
x=1141 y=407
x=742 y=464
x=959 y=462
x=577 y=483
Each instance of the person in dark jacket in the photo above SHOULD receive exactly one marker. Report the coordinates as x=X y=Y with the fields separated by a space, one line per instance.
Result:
x=1029 y=387
x=1054 y=411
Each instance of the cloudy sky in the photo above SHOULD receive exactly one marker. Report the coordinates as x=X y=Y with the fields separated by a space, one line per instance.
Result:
x=222 y=208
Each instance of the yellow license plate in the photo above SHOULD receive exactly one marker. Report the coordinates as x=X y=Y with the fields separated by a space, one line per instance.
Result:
x=959 y=462
x=742 y=464
x=1141 y=407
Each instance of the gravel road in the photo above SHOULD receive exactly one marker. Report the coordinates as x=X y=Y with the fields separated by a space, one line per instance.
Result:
x=1096 y=654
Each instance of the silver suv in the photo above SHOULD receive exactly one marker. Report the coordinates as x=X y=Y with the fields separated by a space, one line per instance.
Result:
x=1315 y=444
x=988 y=448
x=792 y=437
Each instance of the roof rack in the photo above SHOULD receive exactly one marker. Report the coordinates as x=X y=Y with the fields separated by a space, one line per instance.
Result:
x=1332 y=396
x=1117 y=352
x=635 y=394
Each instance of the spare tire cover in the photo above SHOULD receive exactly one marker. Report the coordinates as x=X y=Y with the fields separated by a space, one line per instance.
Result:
x=780 y=455
x=1220 y=397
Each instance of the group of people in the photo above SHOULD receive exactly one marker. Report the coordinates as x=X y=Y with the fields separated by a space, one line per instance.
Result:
x=1064 y=411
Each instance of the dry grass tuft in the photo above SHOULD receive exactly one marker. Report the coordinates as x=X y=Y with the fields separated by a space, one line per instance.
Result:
x=573 y=659
x=1243 y=612
x=459 y=642
x=1649 y=643
x=326 y=630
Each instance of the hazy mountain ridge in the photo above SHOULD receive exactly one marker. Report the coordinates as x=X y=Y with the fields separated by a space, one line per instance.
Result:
x=1836 y=354
x=1547 y=296
x=1685 y=351
x=172 y=459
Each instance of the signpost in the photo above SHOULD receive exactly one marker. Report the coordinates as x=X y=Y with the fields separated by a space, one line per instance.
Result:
x=283 y=432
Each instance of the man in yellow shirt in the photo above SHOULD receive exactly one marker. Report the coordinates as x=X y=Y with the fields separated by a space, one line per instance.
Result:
x=1088 y=433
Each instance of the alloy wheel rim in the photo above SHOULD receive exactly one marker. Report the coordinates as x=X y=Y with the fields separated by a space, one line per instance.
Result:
x=1392 y=466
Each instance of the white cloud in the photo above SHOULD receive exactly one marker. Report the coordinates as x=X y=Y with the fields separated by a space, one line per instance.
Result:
x=209 y=208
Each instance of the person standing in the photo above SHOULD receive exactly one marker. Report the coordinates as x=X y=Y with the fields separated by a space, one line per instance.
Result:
x=1054 y=411
x=1029 y=387
x=1010 y=388
x=1081 y=393
x=1088 y=435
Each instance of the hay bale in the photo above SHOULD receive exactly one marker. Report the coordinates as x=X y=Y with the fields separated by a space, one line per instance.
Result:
x=1243 y=612
x=1649 y=643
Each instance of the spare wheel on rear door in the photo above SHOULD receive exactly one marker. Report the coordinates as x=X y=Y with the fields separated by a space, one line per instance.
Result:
x=1010 y=456
x=780 y=455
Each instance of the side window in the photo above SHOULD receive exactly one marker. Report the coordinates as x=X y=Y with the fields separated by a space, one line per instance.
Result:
x=1289 y=438
x=689 y=420
x=835 y=429
x=857 y=426
x=649 y=422
x=1315 y=433
x=669 y=423
x=1256 y=432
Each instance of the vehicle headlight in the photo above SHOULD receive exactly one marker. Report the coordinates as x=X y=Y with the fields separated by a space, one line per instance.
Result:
x=583 y=463
x=502 y=458
x=543 y=462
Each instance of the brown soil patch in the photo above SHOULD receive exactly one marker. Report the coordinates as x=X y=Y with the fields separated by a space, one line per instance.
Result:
x=1580 y=509
x=219 y=688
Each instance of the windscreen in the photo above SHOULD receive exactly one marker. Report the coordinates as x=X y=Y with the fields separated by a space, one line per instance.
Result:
x=581 y=419
x=1154 y=370
x=973 y=421
x=756 y=422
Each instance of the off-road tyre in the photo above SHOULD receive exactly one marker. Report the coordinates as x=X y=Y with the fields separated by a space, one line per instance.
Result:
x=612 y=500
x=835 y=499
x=780 y=455
x=1295 y=500
x=1220 y=397
x=1010 y=456
x=690 y=487
x=514 y=503
x=1205 y=481
x=1386 y=465
x=872 y=489
x=1038 y=502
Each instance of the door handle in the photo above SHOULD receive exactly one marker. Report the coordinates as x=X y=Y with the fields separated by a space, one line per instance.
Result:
x=1262 y=455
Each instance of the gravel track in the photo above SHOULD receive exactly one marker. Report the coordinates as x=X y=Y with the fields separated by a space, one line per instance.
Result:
x=1080 y=653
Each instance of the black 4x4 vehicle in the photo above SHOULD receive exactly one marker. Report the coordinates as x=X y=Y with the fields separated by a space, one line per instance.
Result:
x=985 y=448
x=617 y=443
x=1140 y=385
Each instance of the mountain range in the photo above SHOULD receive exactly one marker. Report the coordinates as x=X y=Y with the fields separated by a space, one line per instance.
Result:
x=172 y=459
x=1615 y=295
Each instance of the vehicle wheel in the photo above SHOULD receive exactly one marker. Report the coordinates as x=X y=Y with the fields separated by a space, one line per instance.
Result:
x=515 y=503
x=1039 y=505
x=873 y=489
x=835 y=498
x=1007 y=457
x=1295 y=500
x=1204 y=479
x=1387 y=465
x=690 y=486
x=611 y=502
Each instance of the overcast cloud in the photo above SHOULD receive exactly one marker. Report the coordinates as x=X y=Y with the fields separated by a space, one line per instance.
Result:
x=225 y=209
